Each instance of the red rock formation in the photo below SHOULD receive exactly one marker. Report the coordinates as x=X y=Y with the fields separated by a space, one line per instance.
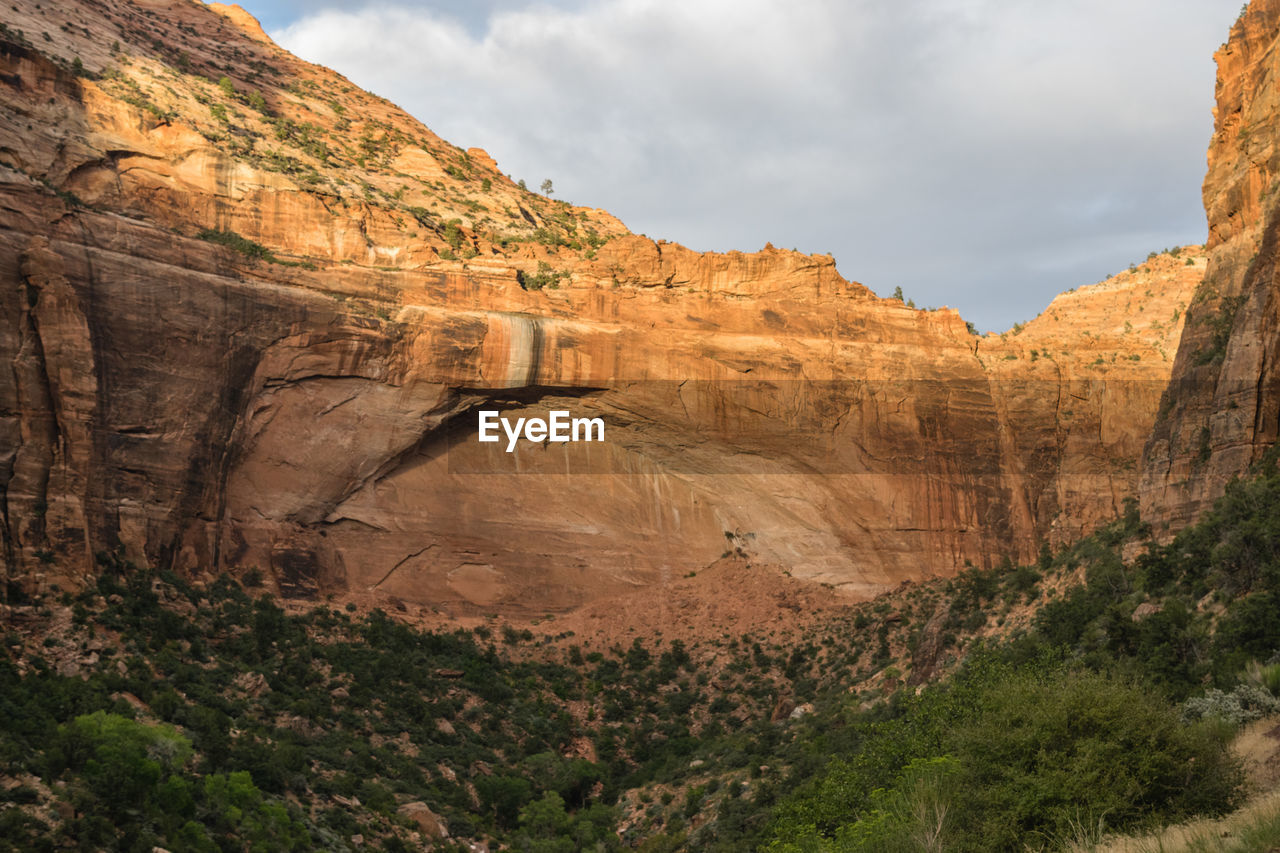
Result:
x=1220 y=411
x=1082 y=391
x=250 y=322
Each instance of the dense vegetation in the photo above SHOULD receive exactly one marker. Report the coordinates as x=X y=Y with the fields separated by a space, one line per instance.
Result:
x=151 y=711
x=1083 y=720
x=206 y=718
x=1007 y=757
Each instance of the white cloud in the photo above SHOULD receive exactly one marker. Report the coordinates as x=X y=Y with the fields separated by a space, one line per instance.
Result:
x=980 y=153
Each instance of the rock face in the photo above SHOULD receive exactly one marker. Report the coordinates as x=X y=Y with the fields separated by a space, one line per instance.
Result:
x=1220 y=412
x=251 y=315
x=429 y=823
x=1079 y=411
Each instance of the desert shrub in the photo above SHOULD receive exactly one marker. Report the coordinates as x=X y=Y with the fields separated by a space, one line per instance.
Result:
x=232 y=240
x=1246 y=702
x=1036 y=749
x=1266 y=676
x=453 y=234
x=915 y=814
x=544 y=277
x=1045 y=750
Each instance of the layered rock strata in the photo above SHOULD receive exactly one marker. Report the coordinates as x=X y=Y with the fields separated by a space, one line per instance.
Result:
x=1222 y=407
x=251 y=313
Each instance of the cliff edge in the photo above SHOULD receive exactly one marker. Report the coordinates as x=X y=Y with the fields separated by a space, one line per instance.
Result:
x=1220 y=411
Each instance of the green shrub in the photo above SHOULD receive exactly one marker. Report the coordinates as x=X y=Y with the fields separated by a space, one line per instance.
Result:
x=1266 y=676
x=544 y=277
x=122 y=764
x=453 y=234
x=234 y=241
x=1046 y=750
x=1037 y=750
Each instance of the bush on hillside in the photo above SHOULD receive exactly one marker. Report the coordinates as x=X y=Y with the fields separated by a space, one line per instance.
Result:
x=1037 y=750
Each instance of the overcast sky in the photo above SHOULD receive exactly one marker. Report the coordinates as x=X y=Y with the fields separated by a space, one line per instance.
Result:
x=982 y=154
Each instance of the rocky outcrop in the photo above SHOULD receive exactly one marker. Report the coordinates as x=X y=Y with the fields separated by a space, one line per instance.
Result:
x=1079 y=387
x=251 y=314
x=1220 y=411
x=429 y=823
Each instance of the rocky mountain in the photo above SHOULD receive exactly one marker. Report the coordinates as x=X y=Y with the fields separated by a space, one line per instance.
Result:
x=250 y=316
x=1220 y=411
x=252 y=313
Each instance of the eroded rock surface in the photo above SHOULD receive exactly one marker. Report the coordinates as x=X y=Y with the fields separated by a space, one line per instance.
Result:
x=251 y=312
x=1222 y=408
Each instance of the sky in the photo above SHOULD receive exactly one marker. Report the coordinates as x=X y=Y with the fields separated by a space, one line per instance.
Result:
x=981 y=154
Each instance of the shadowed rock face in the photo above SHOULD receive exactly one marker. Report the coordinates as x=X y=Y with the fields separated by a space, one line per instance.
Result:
x=1221 y=410
x=308 y=404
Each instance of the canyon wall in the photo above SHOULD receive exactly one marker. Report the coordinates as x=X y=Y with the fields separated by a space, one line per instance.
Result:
x=251 y=313
x=1220 y=411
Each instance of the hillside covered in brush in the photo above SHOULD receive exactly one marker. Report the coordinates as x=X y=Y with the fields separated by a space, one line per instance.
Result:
x=1083 y=689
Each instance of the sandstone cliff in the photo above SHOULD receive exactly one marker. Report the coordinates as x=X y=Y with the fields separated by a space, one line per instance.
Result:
x=1220 y=411
x=251 y=311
